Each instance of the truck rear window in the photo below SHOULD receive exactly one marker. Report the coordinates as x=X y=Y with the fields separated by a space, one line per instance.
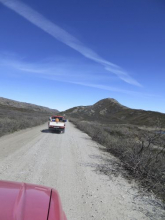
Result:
x=54 y=118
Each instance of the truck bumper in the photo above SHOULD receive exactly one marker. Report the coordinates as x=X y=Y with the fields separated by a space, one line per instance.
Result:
x=52 y=128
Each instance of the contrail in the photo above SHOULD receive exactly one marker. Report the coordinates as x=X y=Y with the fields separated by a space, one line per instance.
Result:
x=63 y=36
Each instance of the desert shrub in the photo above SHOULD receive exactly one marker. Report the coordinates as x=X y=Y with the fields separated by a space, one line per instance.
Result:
x=141 y=152
x=16 y=119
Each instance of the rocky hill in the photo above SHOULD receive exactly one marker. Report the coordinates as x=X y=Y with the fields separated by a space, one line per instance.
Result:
x=111 y=111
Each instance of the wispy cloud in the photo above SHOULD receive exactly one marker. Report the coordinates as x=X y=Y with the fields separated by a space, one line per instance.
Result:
x=114 y=89
x=60 y=34
x=50 y=68
x=65 y=71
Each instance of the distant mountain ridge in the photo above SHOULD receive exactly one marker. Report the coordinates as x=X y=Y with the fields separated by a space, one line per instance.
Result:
x=111 y=111
x=23 y=105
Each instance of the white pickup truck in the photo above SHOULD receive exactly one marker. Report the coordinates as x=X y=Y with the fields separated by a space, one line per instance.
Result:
x=57 y=123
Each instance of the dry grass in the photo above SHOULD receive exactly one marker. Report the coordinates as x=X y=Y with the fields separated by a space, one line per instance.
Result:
x=141 y=152
x=14 y=119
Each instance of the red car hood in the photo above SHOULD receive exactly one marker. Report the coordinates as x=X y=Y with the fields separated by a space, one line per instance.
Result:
x=21 y=201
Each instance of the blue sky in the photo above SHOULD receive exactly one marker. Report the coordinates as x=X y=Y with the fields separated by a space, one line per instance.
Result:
x=67 y=53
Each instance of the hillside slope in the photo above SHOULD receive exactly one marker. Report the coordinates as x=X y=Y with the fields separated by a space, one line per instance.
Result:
x=111 y=111
x=23 y=105
x=19 y=115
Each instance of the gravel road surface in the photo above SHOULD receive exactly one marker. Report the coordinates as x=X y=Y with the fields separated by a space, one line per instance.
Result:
x=70 y=163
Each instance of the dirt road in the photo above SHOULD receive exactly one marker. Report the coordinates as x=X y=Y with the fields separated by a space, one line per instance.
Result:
x=69 y=162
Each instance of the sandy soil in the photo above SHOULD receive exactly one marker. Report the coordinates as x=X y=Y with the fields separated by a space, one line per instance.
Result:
x=70 y=163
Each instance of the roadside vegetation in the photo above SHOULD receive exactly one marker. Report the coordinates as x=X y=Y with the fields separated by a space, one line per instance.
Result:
x=14 y=119
x=141 y=151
